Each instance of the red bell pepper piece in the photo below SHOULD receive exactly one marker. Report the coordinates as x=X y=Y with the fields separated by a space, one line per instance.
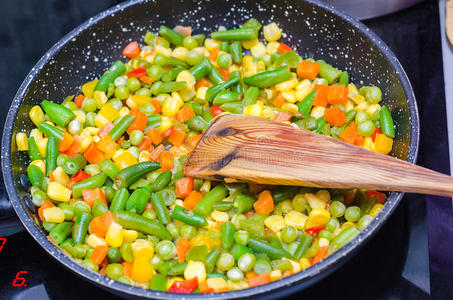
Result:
x=380 y=197
x=137 y=72
x=132 y=50
x=376 y=131
x=315 y=229
x=79 y=176
x=184 y=287
x=283 y=48
x=105 y=130
x=216 y=110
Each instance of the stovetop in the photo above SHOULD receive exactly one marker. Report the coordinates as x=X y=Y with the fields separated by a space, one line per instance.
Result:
x=395 y=264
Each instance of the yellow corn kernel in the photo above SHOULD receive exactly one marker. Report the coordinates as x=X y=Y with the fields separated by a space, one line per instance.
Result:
x=58 y=192
x=142 y=248
x=304 y=263
x=295 y=265
x=272 y=47
x=163 y=51
x=324 y=195
x=205 y=187
x=317 y=217
x=238 y=285
x=53 y=214
x=270 y=93
x=217 y=283
x=375 y=209
x=180 y=53
x=109 y=112
x=100 y=97
x=303 y=89
x=291 y=107
x=202 y=50
x=289 y=96
x=36 y=114
x=146 y=50
x=258 y=50
x=362 y=106
x=287 y=85
x=296 y=219
x=210 y=44
x=165 y=124
x=203 y=239
x=269 y=113
x=129 y=235
x=60 y=176
x=272 y=32
x=88 y=88
x=314 y=201
x=276 y=275
x=346 y=225
x=21 y=141
x=260 y=66
x=178 y=151
x=254 y=109
x=275 y=223
x=249 y=44
x=171 y=105
x=349 y=106
x=144 y=156
x=201 y=93
x=233 y=68
x=352 y=89
x=80 y=116
x=355 y=97
x=142 y=270
x=317 y=112
x=92 y=130
x=124 y=111
x=100 y=121
x=114 y=235
x=195 y=269
x=86 y=141
x=323 y=242
x=368 y=144
x=383 y=144
x=187 y=77
x=36 y=134
x=93 y=241
x=187 y=94
x=124 y=159
x=40 y=164
x=42 y=146
x=220 y=216
x=171 y=280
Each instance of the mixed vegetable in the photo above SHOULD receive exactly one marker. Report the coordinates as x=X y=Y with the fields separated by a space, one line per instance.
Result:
x=106 y=165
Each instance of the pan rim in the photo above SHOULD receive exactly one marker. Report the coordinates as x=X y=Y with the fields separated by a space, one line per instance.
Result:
x=294 y=282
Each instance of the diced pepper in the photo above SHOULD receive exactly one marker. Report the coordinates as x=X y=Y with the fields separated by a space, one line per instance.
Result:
x=383 y=144
x=265 y=203
x=132 y=50
x=139 y=123
x=337 y=94
x=90 y=195
x=93 y=155
x=137 y=72
x=335 y=116
x=182 y=246
x=184 y=114
x=192 y=199
x=184 y=286
x=184 y=187
x=193 y=140
x=283 y=48
x=351 y=135
x=380 y=197
x=308 y=69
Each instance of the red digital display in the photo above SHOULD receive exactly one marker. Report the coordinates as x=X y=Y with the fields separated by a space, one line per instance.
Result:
x=20 y=281
x=2 y=243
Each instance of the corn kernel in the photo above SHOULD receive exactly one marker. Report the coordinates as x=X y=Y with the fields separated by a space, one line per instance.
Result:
x=86 y=141
x=142 y=248
x=60 y=176
x=238 y=285
x=314 y=201
x=373 y=108
x=201 y=93
x=296 y=219
x=323 y=242
x=129 y=235
x=295 y=265
x=36 y=114
x=205 y=187
x=275 y=223
x=346 y=225
x=220 y=216
x=289 y=96
x=272 y=32
x=233 y=68
x=349 y=106
x=249 y=44
x=304 y=263
x=287 y=85
x=165 y=124
x=202 y=50
x=180 y=53
x=163 y=51
x=211 y=44
x=178 y=151
x=88 y=88
x=291 y=107
x=368 y=144
x=258 y=50
x=109 y=112
x=53 y=214
x=382 y=144
x=142 y=270
x=100 y=121
x=36 y=134
x=40 y=164
x=355 y=97
x=352 y=89
x=317 y=112
x=269 y=113
x=21 y=141
x=276 y=275
x=187 y=77
x=217 y=283
x=42 y=146
x=362 y=106
x=172 y=104
x=144 y=156
x=100 y=97
x=272 y=47
x=58 y=192
x=375 y=209
x=195 y=269
x=254 y=109
x=93 y=241
x=114 y=236
x=124 y=159
x=324 y=195
x=317 y=217
x=80 y=116
x=91 y=130
x=124 y=111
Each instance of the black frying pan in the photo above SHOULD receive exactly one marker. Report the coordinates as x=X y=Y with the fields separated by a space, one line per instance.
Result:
x=314 y=29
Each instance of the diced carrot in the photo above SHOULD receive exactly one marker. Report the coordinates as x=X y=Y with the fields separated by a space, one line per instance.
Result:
x=214 y=53
x=336 y=94
x=146 y=79
x=283 y=116
x=154 y=135
x=166 y=161
x=225 y=73
x=120 y=140
x=184 y=186
x=46 y=204
x=192 y=199
x=320 y=255
x=321 y=95
x=155 y=154
x=261 y=279
x=334 y=116
x=105 y=130
x=182 y=246
x=166 y=133
x=202 y=82
x=250 y=274
x=265 y=204
x=177 y=136
x=79 y=100
x=102 y=271
x=132 y=50
x=90 y=195
x=351 y=135
x=157 y=106
x=93 y=155
x=193 y=140
x=66 y=142
x=308 y=69
x=204 y=288
x=140 y=121
x=144 y=145
x=107 y=145
x=127 y=269
x=283 y=48
x=184 y=114
x=99 y=253
x=278 y=101
x=75 y=147
x=100 y=225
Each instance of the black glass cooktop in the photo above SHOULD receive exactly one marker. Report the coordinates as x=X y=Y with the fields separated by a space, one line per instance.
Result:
x=395 y=264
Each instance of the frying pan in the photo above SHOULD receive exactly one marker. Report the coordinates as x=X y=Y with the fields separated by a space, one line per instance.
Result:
x=314 y=29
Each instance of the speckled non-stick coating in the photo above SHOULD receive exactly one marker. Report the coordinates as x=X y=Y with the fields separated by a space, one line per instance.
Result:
x=313 y=29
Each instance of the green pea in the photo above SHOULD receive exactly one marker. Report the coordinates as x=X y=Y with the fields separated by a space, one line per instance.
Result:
x=333 y=224
x=190 y=43
x=75 y=127
x=325 y=234
x=160 y=60
x=90 y=119
x=235 y=274
x=87 y=263
x=126 y=252
x=114 y=255
x=67 y=209
x=246 y=262
x=79 y=251
x=38 y=198
x=155 y=71
x=116 y=103
x=225 y=262
x=372 y=94
x=89 y=105
x=166 y=250
x=366 y=128
x=136 y=137
x=352 y=214
x=126 y=280
x=187 y=231
x=300 y=203
x=133 y=84
x=193 y=57
x=361 y=117
x=224 y=60
x=289 y=234
x=120 y=81
x=143 y=92
x=125 y=144
x=121 y=92
x=92 y=169
x=337 y=209
x=114 y=270
x=241 y=237
x=262 y=266
x=147 y=108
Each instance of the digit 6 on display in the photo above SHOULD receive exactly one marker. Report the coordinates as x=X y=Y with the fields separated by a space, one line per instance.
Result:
x=20 y=281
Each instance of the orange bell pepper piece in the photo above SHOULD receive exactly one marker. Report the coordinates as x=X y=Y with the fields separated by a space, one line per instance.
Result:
x=177 y=136
x=90 y=195
x=182 y=246
x=202 y=82
x=193 y=140
x=79 y=100
x=107 y=145
x=132 y=50
x=93 y=155
x=283 y=48
x=336 y=94
x=145 y=144
x=75 y=147
x=334 y=116
x=184 y=114
x=351 y=135
x=105 y=130
x=184 y=186
x=192 y=199
x=100 y=225
x=214 y=53
x=154 y=135
x=140 y=121
x=265 y=204
x=66 y=142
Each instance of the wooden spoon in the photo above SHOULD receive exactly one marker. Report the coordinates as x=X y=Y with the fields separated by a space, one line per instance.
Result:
x=252 y=149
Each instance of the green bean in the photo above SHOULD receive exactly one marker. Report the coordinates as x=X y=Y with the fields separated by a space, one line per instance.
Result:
x=227 y=235
x=201 y=69
x=59 y=114
x=233 y=107
x=154 y=121
x=238 y=250
x=80 y=228
x=235 y=49
x=225 y=262
x=51 y=154
x=216 y=89
x=60 y=232
x=263 y=247
x=158 y=202
x=226 y=97
x=35 y=175
x=281 y=193
x=161 y=181
x=204 y=206
x=137 y=201
x=33 y=150
x=251 y=95
x=109 y=168
x=172 y=36
x=120 y=128
x=197 y=123
x=344 y=237
x=131 y=174
x=268 y=78
x=241 y=237
x=119 y=200
x=71 y=166
x=115 y=70
x=212 y=258
x=188 y=216
x=177 y=269
x=262 y=266
x=90 y=183
x=328 y=72
x=160 y=87
x=240 y=34
x=214 y=76
x=386 y=122
x=243 y=203
x=306 y=104
x=235 y=274
x=238 y=88
x=136 y=222
x=344 y=78
x=252 y=23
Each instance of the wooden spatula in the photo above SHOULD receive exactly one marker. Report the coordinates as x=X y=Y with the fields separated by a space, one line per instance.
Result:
x=252 y=149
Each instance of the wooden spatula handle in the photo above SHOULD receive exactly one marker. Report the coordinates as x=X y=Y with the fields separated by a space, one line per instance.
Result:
x=270 y=152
